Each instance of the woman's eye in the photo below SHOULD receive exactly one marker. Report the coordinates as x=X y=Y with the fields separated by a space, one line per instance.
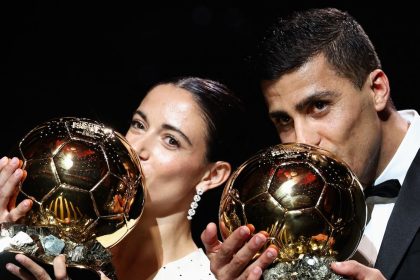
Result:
x=137 y=124
x=172 y=141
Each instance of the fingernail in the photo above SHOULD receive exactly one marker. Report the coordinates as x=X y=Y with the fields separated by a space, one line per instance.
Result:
x=259 y=240
x=244 y=231
x=3 y=160
x=14 y=161
x=8 y=266
x=18 y=173
x=257 y=271
x=27 y=203
x=271 y=253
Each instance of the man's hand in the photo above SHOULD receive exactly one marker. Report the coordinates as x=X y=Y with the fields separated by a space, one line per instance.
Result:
x=357 y=271
x=11 y=175
x=231 y=259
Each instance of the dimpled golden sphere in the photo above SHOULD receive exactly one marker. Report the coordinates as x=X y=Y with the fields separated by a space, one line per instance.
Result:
x=84 y=179
x=308 y=201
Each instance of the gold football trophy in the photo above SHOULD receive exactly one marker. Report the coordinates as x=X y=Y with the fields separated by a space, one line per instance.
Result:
x=309 y=202
x=87 y=187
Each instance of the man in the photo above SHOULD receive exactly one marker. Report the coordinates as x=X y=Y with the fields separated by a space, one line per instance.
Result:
x=323 y=85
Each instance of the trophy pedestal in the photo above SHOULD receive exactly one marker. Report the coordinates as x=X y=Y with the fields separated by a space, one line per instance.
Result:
x=305 y=268
x=42 y=244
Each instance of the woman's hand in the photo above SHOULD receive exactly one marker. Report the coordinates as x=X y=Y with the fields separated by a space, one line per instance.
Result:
x=34 y=271
x=11 y=175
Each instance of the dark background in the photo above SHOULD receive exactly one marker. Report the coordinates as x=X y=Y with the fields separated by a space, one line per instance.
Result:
x=97 y=59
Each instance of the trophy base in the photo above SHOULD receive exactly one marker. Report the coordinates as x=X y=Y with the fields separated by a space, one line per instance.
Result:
x=72 y=272
x=306 y=268
x=42 y=244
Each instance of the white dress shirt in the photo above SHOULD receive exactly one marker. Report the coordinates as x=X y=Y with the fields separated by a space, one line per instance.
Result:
x=378 y=211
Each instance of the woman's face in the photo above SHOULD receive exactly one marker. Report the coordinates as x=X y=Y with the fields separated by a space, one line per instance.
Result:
x=169 y=134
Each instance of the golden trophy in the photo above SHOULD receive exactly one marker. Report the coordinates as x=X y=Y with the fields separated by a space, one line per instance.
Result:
x=87 y=187
x=309 y=202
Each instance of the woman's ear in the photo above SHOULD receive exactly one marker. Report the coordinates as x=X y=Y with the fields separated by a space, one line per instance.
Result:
x=218 y=173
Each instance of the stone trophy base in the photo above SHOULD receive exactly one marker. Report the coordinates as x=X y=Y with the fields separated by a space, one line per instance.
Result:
x=42 y=244
x=305 y=268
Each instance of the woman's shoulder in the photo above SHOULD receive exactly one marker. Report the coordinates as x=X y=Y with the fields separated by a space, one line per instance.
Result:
x=194 y=266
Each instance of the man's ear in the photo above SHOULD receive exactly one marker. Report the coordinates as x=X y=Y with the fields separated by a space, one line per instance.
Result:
x=218 y=173
x=380 y=89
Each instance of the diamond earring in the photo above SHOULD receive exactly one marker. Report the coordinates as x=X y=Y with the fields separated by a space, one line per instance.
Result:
x=194 y=204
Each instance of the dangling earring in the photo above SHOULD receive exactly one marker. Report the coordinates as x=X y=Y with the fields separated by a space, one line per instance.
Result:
x=194 y=204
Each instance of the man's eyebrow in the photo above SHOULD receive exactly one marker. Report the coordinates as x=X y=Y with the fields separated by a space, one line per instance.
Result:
x=317 y=96
x=277 y=114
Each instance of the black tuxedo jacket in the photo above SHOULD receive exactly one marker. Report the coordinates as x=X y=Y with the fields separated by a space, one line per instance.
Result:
x=399 y=254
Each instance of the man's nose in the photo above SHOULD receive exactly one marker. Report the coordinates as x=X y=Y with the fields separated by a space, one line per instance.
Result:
x=306 y=134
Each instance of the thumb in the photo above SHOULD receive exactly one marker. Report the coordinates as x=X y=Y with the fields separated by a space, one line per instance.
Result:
x=209 y=238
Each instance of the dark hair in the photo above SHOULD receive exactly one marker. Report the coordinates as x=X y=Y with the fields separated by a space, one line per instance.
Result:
x=292 y=41
x=223 y=112
x=226 y=137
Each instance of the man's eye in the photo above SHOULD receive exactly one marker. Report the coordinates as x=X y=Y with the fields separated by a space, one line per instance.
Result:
x=320 y=105
x=285 y=120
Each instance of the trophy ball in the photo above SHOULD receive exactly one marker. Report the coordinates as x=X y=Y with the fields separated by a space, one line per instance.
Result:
x=308 y=201
x=84 y=178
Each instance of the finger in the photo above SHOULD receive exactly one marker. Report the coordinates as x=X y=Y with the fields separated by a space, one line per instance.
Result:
x=255 y=273
x=356 y=270
x=231 y=245
x=209 y=238
x=262 y=262
x=244 y=255
x=21 y=210
x=3 y=162
x=10 y=177
x=11 y=187
x=18 y=272
x=60 y=268
x=8 y=170
x=37 y=271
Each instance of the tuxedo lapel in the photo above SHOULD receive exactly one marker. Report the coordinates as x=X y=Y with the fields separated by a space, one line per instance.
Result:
x=403 y=223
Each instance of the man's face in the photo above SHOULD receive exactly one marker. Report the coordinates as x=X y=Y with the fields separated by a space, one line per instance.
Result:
x=314 y=105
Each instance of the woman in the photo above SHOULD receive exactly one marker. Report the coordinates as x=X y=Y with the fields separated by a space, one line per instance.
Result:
x=186 y=133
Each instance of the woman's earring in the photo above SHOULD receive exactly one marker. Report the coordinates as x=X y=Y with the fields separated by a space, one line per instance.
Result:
x=194 y=204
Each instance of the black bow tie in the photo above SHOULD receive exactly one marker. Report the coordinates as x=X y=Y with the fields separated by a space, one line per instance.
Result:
x=389 y=189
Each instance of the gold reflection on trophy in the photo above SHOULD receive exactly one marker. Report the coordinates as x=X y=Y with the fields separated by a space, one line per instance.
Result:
x=308 y=201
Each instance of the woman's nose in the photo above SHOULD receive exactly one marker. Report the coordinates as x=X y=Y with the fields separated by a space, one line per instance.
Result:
x=139 y=144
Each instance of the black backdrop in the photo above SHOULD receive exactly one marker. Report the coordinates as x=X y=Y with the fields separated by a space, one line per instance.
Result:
x=97 y=59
